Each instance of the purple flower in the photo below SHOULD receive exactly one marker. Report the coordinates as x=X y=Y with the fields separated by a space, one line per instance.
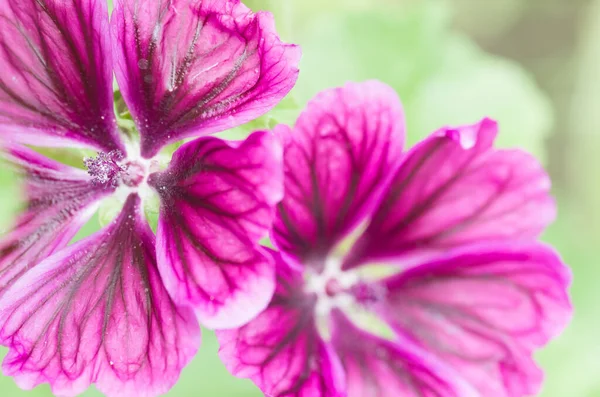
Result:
x=111 y=309
x=403 y=274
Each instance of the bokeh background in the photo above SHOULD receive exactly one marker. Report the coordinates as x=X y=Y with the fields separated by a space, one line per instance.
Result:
x=531 y=64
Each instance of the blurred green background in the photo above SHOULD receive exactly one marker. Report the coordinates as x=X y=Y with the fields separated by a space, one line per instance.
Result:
x=531 y=64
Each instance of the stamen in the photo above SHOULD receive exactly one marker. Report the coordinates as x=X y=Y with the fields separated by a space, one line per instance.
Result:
x=106 y=169
x=112 y=169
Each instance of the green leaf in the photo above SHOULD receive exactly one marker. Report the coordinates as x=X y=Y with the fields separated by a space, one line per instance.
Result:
x=398 y=46
x=69 y=156
x=109 y=210
x=470 y=84
x=266 y=241
x=152 y=210
x=12 y=198
x=286 y=112
x=577 y=348
x=8 y=387
x=91 y=227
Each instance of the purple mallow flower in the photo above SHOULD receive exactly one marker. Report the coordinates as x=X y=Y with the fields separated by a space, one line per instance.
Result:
x=111 y=309
x=400 y=273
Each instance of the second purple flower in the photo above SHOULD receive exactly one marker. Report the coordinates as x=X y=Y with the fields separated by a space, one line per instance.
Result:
x=408 y=274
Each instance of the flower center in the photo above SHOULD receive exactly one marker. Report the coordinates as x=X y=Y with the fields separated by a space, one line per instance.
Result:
x=106 y=169
x=125 y=175
x=112 y=169
x=332 y=287
x=134 y=174
x=350 y=291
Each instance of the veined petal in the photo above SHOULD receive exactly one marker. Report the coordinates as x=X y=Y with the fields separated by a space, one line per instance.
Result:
x=338 y=159
x=484 y=312
x=217 y=201
x=281 y=350
x=455 y=189
x=59 y=200
x=377 y=367
x=189 y=68
x=97 y=312
x=56 y=81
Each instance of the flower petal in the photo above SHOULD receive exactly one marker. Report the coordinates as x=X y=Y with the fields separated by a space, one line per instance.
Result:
x=281 y=350
x=59 y=200
x=337 y=162
x=377 y=367
x=455 y=189
x=217 y=201
x=484 y=312
x=97 y=312
x=189 y=68
x=56 y=81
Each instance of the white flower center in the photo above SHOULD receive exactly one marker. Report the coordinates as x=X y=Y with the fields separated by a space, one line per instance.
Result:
x=333 y=290
x=126 y=174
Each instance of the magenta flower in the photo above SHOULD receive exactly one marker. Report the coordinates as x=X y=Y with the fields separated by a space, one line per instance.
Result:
x=467 y=294
x=111 y=309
